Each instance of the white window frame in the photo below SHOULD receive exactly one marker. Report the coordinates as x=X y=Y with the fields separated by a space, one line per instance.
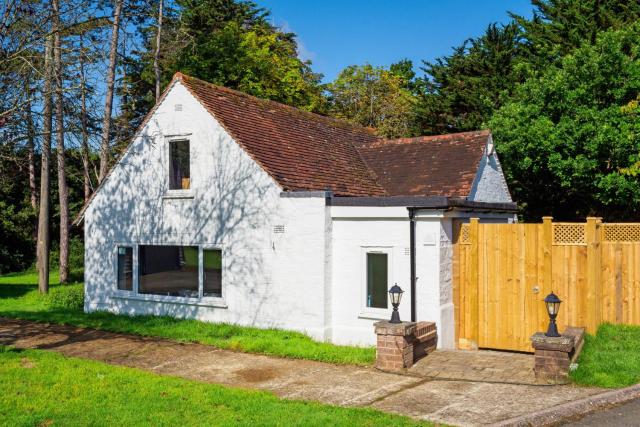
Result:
x=177 y=193
x=200 y=300
x=372 y=312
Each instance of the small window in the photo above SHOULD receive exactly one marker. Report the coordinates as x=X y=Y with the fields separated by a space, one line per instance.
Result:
x=377 y=280
x=212 y=279
x=179 y=165
x=168 y=270
x=125 y=268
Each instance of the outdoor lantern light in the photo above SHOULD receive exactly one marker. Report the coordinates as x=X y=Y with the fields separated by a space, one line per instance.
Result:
x=553 y=305
x=395 y=294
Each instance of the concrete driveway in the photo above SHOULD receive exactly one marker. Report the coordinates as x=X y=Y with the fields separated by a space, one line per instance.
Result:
x=445 y=399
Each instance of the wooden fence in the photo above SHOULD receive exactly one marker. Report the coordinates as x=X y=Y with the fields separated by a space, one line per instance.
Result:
x=502 y=272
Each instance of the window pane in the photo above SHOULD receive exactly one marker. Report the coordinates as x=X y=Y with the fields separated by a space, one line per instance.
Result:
x=125 y=268
x=212 y=273
x=377 y=280
x=168 y=270
x=179 y=174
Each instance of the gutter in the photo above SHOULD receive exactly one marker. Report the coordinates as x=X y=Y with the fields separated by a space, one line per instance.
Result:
x=412 y=260
x=428 y=202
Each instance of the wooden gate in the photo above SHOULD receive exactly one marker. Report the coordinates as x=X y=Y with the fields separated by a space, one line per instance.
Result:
x=502 y=272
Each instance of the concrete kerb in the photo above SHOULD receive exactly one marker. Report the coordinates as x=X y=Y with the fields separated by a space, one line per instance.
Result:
x=557 y=415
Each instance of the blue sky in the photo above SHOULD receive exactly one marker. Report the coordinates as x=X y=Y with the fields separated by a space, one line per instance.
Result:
x=334 y=34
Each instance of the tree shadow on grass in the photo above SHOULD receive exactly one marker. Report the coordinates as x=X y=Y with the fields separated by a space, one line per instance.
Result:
x=15 y=290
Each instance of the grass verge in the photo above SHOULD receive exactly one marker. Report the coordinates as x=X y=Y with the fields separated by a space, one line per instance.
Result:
x=19 y=298
x=610 y=358
x=45 y=388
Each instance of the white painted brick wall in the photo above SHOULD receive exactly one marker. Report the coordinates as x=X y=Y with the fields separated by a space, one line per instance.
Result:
x=269 y=280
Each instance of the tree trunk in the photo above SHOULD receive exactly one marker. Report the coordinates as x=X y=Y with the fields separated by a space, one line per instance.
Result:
x=156 y=55
x=84 y=125
x=111 y=72
x=33 y=194
x=63 y=190
x=43 y=214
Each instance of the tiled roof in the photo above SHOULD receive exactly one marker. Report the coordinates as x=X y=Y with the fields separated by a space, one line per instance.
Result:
x=441 y=165
x=300 y=150
x=306 y=152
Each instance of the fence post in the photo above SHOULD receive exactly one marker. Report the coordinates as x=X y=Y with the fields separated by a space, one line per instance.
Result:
x=594 y=266
x=547 y=244
x=474 y=279
x=599 y=284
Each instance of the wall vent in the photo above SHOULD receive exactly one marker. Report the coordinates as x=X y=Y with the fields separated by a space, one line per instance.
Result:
x=407 y=251
x=278 y=229
x=177 y=107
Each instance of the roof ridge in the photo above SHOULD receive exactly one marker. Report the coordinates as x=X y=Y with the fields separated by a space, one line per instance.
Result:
x=427 y=138
x=341 y=122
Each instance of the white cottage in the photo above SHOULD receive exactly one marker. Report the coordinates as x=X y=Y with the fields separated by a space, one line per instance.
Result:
x=229 y=208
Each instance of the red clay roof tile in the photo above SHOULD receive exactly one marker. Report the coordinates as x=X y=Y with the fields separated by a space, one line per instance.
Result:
x=441 y=165
x=306 y=152
x=300 y=150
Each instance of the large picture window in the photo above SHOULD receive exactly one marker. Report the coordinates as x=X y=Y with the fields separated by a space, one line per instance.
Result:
x=377 y=280
x=179 y=165
x=168 y=270
x=125 y=268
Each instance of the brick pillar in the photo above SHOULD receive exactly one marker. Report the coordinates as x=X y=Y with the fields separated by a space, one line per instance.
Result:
x=395 y=345
x=552 y=357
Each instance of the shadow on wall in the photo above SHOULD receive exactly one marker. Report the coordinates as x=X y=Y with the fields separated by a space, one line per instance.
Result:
x=232 y=205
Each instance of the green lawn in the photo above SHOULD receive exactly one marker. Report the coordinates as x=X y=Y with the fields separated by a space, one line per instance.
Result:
x=611 y=358
x=39 y=388
x=19 y=298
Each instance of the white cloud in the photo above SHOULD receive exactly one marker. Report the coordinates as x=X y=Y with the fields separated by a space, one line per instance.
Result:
x=303 y=53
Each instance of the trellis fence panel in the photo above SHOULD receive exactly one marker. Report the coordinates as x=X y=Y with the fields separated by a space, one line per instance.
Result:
x=502 y=272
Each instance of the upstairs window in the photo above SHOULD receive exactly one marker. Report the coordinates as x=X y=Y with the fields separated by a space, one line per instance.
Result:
x=179 y=165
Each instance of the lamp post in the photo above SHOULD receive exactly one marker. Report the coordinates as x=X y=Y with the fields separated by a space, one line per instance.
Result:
x=553 y=306
x=395 y=294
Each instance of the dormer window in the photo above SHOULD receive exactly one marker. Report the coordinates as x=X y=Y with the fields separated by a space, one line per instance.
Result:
x=179 y=165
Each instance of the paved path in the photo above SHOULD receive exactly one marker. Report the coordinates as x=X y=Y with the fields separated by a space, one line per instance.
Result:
x=486 y=366
x=627 y=415
x=456 y=402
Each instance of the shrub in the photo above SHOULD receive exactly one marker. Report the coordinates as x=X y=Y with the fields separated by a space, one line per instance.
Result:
x=66 y=297
x=76 y=254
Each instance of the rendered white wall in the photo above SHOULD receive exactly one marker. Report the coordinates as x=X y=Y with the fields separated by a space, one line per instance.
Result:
x=356 y=230
x=433 y=285
x=268 y=280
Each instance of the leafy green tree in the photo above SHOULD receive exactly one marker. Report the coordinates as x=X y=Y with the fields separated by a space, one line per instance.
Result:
x=226 y=42
x=462 y=90
x=633 y=109
x=559 y=26
x=404 y=70
x=375 y=97
x=568 y=136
